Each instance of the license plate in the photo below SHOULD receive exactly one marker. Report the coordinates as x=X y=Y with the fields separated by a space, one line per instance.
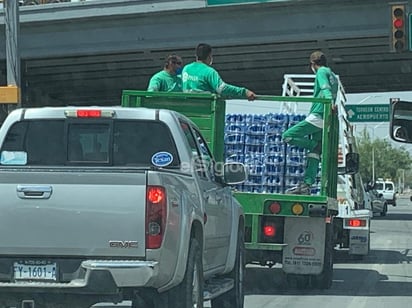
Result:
x=35 y=270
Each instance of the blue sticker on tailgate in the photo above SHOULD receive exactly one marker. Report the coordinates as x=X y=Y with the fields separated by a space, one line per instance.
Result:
x=162 y=159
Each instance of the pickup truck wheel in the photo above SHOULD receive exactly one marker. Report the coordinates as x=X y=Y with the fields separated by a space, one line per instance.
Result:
x=235 y=297
x=189 y=293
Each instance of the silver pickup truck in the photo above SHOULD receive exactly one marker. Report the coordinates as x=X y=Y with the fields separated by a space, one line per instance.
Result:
x=105 y=204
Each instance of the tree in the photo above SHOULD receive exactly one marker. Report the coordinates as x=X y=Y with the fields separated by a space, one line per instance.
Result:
x=387 y=160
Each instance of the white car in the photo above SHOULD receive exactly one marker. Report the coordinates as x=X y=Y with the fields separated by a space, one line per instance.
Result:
x=387 y=189
x=378 y=202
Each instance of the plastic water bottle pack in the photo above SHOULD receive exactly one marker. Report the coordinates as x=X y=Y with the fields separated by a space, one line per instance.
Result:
x=234 y=140
x=256 y=140
x=235 y=158
x=255 y=164
x=294 y=119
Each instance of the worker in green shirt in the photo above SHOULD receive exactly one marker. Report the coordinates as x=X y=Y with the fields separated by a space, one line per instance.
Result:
x=200 y=76
x=169 y=79
x=307 y=134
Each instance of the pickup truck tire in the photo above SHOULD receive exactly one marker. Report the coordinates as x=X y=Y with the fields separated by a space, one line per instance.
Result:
x=189 y=293
x=235 y=297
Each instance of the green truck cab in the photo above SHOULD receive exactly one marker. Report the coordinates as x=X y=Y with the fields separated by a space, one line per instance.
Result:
x=295 y=230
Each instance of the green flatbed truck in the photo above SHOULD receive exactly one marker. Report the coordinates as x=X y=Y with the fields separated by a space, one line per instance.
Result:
x=295 y=230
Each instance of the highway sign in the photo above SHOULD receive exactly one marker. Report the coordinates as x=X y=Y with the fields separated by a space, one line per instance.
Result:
x=368 y=113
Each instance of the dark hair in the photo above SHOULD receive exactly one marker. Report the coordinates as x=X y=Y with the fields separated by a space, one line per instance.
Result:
x=203 y=51
x=171 y=58
x=319 y=58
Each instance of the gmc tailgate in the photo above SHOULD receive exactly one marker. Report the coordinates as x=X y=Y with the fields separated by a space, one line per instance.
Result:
x=73 y=213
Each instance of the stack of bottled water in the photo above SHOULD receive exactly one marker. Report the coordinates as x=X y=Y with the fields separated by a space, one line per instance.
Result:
x=295 y=158
x=255 y=128
x=256 y=171
x=256 y=141
x=234 y=138
x=276 y=124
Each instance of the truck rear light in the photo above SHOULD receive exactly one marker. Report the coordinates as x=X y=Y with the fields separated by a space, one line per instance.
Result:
x=297 y=209
x=89 y=113
x=275 y=207
x=269 y=230
x=156 y=212
x=356 y=223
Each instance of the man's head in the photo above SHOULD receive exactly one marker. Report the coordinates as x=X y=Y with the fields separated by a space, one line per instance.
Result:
x=204 y=53
x=317 y=59
x=173 y=64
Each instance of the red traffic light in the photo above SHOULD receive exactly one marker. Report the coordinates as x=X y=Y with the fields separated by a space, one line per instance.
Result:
x=398 y=23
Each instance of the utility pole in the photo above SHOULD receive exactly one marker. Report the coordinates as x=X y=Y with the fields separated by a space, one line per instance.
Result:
x=10 y=95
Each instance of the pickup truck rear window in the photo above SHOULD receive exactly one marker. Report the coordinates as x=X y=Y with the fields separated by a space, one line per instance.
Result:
x=100 y=142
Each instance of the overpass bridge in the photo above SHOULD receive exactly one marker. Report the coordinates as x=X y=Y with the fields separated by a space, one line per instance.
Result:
x=87 y=52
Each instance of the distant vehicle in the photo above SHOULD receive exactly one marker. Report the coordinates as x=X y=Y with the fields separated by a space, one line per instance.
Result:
x=387 y=189
x=378 y=202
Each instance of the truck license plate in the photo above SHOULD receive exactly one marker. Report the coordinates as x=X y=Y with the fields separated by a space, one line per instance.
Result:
x=35 y=270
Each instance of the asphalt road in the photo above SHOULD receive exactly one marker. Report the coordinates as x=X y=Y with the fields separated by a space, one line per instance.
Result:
x=382 y=279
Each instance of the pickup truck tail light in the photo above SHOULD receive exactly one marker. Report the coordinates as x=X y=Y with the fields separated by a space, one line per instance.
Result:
x=156 y=211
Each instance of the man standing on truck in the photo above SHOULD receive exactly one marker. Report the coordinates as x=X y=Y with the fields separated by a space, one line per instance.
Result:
x=200 y=76
x=307 y=134
x=169 y=79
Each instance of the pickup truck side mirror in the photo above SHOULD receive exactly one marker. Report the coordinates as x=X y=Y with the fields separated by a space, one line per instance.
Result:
x=234 y=173
x=352 y=163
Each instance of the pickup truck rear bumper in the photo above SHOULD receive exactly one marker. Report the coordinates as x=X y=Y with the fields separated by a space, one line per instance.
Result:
x=97 y=277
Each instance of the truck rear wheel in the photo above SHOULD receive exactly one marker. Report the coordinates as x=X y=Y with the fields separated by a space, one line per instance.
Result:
x=189 y=293
x=235 y=297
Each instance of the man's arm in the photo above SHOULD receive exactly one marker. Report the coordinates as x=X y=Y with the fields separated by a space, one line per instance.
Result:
x=224 y=89
x=155 y=84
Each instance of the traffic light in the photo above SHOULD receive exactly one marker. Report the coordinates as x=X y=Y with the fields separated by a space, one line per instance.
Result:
x=398 y=33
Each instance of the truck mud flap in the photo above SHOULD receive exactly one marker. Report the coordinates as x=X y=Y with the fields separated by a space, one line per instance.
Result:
x=305 y=239
x=359 y=242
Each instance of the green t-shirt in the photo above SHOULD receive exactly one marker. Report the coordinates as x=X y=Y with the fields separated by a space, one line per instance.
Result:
x=200 y=77
x=326 y=86
x=165 y=82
